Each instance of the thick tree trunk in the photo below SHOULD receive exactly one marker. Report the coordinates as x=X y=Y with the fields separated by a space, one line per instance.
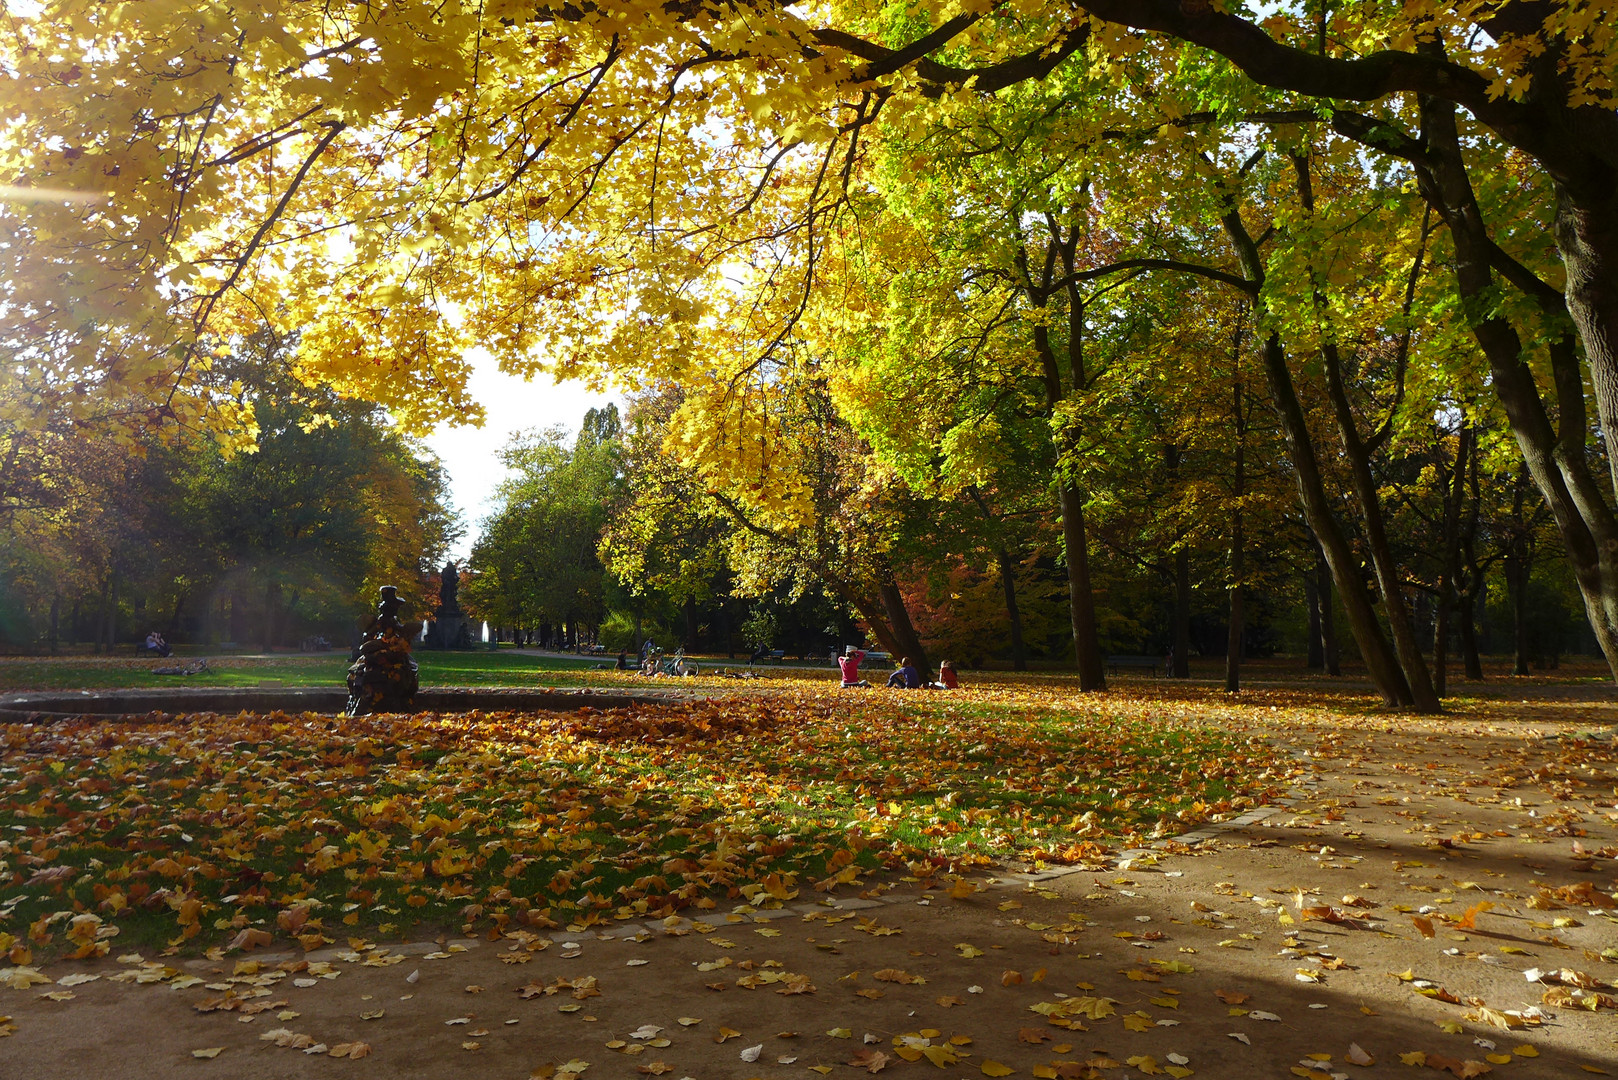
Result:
x=1008 y=585
x=903 y=631
x=1328 y=616
x=1182 y=614
x=690 y=625
x=1555 y=460
x=1086 y=642
x=887 y=618
x=1587 y=234
x=1466 y=626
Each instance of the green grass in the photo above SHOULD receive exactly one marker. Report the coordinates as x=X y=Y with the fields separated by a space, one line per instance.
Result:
x=328 y=669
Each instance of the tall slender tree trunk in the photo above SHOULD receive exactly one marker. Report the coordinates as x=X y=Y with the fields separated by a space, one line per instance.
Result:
x=56 y=615
x=1081 y=597
x=1061 y=248
x=1517 y=583
x=1182 y=614
x=1315 y=655
x=1448 y=595
x=1518 y=558
x=1008 y=586
x=272 y=615
x=1467 y=631
x=1358 y=452
x=1380 y=662
x=690 y=624
x=1331 y=655
x=1233 y=643
x=107 y=635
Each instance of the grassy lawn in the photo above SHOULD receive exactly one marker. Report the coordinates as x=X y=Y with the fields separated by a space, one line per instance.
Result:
x=324 y=669
x=188 y=833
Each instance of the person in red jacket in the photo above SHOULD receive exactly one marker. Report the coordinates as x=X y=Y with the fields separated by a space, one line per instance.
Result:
x=946 y=676
x=850 y=667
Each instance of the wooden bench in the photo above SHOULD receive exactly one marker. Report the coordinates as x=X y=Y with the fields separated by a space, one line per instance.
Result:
x=1142 y=663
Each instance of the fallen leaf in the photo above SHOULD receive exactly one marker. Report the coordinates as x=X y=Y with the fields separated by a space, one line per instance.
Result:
x=873 y=1061
x=210 y=1053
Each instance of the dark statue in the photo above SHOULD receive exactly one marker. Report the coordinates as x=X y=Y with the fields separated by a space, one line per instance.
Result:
x=449 y=586
x=383 y=676
x=450 y=628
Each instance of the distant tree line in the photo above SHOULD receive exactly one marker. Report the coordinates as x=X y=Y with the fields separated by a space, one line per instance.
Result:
x=164 y=530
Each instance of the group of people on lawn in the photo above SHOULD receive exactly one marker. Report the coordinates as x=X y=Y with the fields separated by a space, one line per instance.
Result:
x=906 y=676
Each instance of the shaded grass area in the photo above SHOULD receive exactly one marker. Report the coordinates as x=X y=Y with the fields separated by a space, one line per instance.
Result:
x=324 y=669
x=186 y=834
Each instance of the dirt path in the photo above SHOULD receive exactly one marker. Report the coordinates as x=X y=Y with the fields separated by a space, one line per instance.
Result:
x=1204 y=957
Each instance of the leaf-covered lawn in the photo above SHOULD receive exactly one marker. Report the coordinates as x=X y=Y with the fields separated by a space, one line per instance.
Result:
x=197 y=830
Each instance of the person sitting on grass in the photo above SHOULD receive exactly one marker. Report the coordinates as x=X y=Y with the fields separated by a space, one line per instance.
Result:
x=905 y=676
x=946 y=677
x=623 y=660
x=850 y=667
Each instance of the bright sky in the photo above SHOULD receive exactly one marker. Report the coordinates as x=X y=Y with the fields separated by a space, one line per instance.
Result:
x=471 y=455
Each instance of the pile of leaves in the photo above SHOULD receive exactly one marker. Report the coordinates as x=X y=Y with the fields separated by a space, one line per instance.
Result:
x=212 y=829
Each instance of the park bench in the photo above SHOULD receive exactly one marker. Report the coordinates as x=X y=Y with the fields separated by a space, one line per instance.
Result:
x=1142 y=663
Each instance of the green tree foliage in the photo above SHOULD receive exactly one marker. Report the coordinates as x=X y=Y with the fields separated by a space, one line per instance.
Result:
x=536 y=560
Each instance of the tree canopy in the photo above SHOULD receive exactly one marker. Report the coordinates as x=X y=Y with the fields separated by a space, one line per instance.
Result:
x=999 y=252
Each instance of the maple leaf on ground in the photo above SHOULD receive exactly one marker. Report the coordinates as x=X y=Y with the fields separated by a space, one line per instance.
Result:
x=894 y=975
x=250 y=939
x=1469 y=918
x=873 y=1061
